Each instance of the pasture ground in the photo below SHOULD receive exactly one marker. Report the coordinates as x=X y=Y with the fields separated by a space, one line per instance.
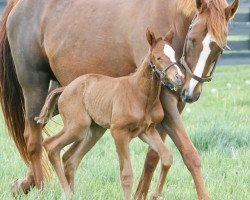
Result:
x=219 y=126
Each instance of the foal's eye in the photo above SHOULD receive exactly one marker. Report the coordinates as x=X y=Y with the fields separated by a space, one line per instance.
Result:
x=159 y=58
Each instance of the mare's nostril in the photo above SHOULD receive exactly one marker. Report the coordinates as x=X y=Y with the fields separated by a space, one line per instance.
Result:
x=184 y=93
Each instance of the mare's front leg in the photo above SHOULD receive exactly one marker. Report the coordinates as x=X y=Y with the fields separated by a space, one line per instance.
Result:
x=122 y=139
x=173 y=124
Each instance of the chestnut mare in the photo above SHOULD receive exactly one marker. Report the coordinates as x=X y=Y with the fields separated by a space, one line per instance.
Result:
x=98 y=102
x=64 y=39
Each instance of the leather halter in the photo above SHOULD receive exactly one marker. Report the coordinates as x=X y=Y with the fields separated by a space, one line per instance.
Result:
x=187 y=68
x=161 y=74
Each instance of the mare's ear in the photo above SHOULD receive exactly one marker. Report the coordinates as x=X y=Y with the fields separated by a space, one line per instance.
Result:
x=169 y=36
x=150 y=37
x=201 y=5
x=231 y=10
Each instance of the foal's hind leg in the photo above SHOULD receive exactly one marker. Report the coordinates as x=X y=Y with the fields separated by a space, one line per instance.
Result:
x=54 y=145
x=74 y=155
x=73 y=130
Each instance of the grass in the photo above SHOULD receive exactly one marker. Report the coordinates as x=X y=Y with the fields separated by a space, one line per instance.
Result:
x=218 y=124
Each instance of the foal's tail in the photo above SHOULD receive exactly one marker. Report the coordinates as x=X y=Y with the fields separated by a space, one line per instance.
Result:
x=11 y=95
x=49 y=106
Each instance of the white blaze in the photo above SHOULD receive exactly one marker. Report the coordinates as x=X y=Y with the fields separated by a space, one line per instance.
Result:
x=201 y=62
x=169 y=52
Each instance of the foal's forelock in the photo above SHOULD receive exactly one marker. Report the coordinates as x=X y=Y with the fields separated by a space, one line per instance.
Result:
x=170 y=53
x=201 y=63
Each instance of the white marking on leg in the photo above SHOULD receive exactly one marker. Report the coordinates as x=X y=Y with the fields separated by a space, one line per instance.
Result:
x=169 y=52
x=201 y=62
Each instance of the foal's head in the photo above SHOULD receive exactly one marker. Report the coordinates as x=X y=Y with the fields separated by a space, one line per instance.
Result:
x=205 y=41
x=162 y=60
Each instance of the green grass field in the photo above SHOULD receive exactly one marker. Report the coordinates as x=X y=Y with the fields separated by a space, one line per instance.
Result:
x=218 y=124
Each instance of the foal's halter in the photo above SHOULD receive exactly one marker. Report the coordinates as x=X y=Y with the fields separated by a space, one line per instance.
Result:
x=187 y=68
x=161 y=74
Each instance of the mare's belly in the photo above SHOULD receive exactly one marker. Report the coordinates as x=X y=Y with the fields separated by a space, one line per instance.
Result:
x=82 y=39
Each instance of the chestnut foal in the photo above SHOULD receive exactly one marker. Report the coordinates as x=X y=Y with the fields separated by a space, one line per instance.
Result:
x=129 y=106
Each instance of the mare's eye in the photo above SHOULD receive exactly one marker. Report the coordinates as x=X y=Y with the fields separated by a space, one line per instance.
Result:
x=159 y=58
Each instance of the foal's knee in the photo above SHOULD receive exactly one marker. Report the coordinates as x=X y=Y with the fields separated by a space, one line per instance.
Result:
x=127 y=178
x=192 y=159
x=167 y=160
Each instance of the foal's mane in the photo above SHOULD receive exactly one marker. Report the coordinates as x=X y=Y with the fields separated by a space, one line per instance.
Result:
x=216 y=19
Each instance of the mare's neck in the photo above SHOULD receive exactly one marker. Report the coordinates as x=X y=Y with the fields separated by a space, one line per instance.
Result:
x=147 y=81
x=177 y=13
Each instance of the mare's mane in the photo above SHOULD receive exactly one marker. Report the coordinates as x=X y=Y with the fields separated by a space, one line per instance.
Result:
x=216 y=19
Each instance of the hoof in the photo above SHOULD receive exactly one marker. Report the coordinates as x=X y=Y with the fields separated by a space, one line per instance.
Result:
x=16 y=188
x=68 y=196
x=41 y=120
x=157 y=197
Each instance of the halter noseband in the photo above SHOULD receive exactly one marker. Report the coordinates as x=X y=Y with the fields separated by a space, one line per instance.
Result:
x=161 y=74
x=187 y=68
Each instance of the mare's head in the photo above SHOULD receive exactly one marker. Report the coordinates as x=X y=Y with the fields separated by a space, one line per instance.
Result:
x=205 y=41
x=162 y=60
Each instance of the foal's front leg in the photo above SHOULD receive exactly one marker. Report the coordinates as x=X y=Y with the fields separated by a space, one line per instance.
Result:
x=148 y=170
x=153 y=139
x=122 y=139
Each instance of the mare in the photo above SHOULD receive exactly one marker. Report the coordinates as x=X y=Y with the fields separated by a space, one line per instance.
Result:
x=95 y=101
x=59 y=40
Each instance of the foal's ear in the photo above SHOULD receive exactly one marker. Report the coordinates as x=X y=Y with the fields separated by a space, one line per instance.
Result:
x=150 y=37
x=201 y=5
x=169 y=36
x=231 y=10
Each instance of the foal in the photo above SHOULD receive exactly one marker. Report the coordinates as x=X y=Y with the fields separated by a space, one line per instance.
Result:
x=129 y=106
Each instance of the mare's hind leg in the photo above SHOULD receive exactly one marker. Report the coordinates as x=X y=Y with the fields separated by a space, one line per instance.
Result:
x=35 y=95
x=74 y=155
x=33 y=73
x=35 y=88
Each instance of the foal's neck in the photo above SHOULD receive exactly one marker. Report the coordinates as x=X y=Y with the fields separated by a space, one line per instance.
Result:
x=149 y=84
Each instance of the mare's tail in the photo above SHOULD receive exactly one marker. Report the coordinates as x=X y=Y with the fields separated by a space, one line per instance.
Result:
x=11 y=95
x=49 y=106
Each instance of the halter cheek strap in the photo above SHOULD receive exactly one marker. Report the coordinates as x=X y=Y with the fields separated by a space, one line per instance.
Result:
x=187 y=68
x=161 y=74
